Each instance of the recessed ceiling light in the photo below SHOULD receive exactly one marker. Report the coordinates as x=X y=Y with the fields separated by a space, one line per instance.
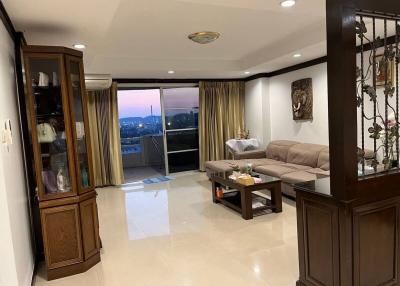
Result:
x=246 y=72
x=79 y=46
x=297 y=55
x=171 y=72
x=288 y=3
x=204 y=37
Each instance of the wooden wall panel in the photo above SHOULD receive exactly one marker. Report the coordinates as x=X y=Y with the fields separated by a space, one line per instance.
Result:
x=62 y=236
x=90 y=227
x=320 y=240
x=375 y=247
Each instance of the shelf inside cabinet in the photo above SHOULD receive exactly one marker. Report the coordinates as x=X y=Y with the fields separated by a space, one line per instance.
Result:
x=49 y=87
x=47 y=116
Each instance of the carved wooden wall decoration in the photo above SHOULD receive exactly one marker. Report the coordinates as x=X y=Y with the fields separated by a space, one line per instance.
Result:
x=302 y=99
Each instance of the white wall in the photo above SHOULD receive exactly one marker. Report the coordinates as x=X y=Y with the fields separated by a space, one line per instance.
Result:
x=257 y=110
x=283 y=125
x=16 y=259
x=269 y=108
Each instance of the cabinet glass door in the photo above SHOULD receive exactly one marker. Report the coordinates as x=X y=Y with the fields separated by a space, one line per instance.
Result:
x=50 y=126
x=79 y=122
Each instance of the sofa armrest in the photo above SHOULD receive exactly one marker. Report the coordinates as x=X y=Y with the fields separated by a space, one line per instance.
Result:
x=253 y=154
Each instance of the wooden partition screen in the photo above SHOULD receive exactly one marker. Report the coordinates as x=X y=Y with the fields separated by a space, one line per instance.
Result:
x=348 y=224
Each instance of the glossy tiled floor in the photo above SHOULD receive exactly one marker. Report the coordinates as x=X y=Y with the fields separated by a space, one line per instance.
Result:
x=140 y=173
x=171 y=234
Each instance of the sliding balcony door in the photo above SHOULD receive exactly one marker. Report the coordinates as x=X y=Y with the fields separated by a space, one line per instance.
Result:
x=180 y=108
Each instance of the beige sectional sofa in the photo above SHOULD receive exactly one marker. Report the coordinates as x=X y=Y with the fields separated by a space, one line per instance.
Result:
x=291 y=161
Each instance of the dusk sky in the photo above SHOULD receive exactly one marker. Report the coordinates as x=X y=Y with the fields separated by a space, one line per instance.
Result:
x=136 y=103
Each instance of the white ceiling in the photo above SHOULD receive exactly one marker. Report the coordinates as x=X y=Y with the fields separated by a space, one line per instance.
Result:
x=146 y=38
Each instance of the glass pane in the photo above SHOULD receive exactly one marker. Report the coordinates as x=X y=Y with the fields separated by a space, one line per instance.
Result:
x=83 y=162
x=182 y=140
x=183 y=161
x=180 y=118
x=187 y=98
x=50 y=125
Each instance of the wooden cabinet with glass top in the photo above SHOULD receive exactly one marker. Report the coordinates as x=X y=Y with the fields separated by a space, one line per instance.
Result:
x=57 y=109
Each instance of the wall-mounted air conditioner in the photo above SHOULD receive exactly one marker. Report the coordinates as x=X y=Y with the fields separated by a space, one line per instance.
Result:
x=98 y=81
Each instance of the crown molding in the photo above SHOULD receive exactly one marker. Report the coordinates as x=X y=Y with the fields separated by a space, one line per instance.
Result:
x=253 y=77
x=172 y=80
x=317 y=61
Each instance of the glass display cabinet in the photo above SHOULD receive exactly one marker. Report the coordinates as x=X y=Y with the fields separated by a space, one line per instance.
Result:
x=57 y=112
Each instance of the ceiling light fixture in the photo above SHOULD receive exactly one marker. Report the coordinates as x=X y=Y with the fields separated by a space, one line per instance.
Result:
x=297 y=55
x=204 y=37
x=171 y=72
x=288 y=3
x=246 y=72
x=79 y=46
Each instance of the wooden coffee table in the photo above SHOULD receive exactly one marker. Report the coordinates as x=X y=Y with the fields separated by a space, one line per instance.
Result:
x=241 y=198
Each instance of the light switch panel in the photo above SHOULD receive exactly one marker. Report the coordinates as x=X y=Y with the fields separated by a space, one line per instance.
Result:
x=6 y=133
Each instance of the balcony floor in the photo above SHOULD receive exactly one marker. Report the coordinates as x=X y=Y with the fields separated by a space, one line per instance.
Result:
x=135 y=174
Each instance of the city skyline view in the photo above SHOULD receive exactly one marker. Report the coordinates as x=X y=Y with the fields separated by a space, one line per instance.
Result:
x=138 y=103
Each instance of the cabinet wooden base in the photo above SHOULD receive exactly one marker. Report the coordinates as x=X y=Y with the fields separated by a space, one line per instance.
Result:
x=348 y=243
x=73 y=269
x=71 y=239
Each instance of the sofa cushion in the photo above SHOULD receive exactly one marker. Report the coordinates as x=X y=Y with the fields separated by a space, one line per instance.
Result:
x=218 y=166
x=262 y=162
x=297 y=167
x=275 y=170
x=254 y=154
x=323 y=159
x=278 y=150
x=298 y=177
x=319 y=172
x=224 y=165
x=304 y=154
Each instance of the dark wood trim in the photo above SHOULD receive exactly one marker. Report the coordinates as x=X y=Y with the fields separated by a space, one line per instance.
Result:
x=257 y=76
x=52 y=50
x=7 y=21
x=289 y=69
x=367 y=47
x=172 y=80
x=153 y=87
x=385 y=7
x=299 y=66
x=342 y=105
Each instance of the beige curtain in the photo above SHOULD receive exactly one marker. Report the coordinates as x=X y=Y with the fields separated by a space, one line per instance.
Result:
x=104 y=133
x=221 y=117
